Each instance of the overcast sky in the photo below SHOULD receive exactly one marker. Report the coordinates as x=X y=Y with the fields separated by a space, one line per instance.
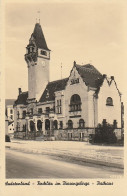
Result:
x=88 y=32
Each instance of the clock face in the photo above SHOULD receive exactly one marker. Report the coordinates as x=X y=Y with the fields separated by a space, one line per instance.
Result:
x=43 y=63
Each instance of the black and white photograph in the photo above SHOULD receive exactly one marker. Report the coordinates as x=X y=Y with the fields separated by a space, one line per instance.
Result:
x=64 y=69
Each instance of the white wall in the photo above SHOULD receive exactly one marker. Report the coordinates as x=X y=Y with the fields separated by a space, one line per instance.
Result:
x=110 y=113
x=80 y=89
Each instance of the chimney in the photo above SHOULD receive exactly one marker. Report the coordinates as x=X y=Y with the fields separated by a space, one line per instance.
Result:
x=104 y=75
x=20 y=91
x=112 y=77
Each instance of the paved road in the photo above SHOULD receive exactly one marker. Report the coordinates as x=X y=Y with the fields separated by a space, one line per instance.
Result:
x=23 y=165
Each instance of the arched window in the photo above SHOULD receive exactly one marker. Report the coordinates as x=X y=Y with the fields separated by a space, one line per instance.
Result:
x=109 y=101
x=81 y=123
x=75 y=103
x=70 y=124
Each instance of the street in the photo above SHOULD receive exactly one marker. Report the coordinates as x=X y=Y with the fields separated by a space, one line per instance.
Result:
x=27 y=165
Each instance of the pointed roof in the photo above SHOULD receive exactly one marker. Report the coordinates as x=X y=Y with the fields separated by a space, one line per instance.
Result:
x=39 y=37
x=90 y=75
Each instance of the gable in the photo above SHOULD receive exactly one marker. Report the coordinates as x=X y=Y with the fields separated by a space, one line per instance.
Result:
x=109 y=86
x=74 y=77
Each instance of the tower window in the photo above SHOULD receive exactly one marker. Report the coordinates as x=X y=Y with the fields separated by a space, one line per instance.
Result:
x=43 y=52
x=11 y=111
x=109 y=101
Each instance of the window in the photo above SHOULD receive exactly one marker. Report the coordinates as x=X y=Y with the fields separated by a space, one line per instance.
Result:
x=81 y=123
x=43 y=52
x=24 y=128
x=70 y=124
x=75 y=103
x=58 y=107
x=115 y=123
x=69 y=135
x=39 y=110
x=18 y=126
x=18 y=114
x=81 y=135
x=24 y=114
x=109 y=101
x=11 y=111
x=11 y=117
x=31 y=111
x=61 y=125
x=55 y=124
x=47 y=109
x=75 y=81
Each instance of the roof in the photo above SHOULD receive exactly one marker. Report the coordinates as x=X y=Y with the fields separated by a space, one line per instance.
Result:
x=39 y=37
x=51 y=88
x=22 y=98
x=90 y=75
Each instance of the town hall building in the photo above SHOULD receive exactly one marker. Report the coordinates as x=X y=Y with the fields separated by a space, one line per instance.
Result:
x=65 y=109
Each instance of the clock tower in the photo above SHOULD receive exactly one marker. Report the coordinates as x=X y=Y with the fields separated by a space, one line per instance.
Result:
x=37 y=57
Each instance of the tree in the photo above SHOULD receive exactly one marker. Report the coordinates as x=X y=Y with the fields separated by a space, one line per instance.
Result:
x=104 y=133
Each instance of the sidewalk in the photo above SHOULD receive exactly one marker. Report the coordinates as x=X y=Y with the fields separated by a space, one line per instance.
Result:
x=72 y=150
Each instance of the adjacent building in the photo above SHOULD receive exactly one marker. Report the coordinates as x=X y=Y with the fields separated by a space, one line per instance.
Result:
x=9 y=117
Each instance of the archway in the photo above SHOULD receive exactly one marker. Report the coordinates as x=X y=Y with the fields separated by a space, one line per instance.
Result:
x=39 y=125
x=47 y=124
x=32 y=126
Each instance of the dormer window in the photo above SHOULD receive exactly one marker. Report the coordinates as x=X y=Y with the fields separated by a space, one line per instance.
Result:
x=109 y=101
x=43 y=52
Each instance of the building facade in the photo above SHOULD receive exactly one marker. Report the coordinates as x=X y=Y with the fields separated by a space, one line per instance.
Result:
x=66 y=109
x=9 y=112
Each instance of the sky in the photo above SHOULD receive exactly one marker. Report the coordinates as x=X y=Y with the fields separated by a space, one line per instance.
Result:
x=84 y=31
